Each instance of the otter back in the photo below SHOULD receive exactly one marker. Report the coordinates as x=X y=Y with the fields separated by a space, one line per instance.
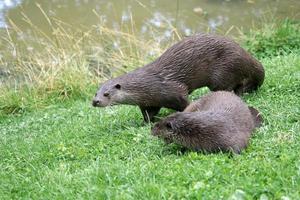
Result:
x=197 y=61
x=217 y=121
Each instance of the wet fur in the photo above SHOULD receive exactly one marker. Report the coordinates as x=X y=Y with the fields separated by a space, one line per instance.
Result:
x=219 y=121
x=196 y=61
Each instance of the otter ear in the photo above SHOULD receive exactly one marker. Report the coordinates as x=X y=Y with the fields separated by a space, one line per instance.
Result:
x=118 y=86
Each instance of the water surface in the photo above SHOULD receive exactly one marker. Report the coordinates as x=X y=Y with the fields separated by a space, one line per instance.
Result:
x=151 y=18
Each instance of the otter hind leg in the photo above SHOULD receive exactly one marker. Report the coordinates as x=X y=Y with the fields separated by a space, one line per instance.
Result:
x=149 y=113
x=257 y=118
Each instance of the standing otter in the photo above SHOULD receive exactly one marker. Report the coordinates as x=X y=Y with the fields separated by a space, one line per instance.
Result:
x=196 y=61
x=219 y=121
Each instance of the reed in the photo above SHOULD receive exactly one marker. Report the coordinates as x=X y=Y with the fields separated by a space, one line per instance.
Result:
x=66 y=63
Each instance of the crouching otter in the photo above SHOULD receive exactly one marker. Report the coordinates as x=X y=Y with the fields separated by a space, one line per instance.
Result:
x=219 y=121
x=197 y=61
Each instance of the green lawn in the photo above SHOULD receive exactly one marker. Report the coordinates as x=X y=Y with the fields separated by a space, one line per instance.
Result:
x=73 y=151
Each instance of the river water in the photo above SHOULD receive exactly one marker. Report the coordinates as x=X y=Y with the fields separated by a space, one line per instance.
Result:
x=188 y=16
x=27 y=27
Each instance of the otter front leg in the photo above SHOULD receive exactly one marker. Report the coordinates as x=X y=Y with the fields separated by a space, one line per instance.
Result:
x=149 y=113
x=179 y=103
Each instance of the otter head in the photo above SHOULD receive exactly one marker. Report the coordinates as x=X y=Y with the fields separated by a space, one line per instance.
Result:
x=166 y=128
x=110 y=93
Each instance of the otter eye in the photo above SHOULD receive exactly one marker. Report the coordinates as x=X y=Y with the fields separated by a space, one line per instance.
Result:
x=169 y=125
x=118 y=86
x=106 y=94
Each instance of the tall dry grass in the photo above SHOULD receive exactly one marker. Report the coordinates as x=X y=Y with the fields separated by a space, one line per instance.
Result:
x=39 y=68
x=67 y=62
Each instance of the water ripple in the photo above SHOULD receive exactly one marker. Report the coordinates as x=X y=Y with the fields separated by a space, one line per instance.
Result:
x=4 y=6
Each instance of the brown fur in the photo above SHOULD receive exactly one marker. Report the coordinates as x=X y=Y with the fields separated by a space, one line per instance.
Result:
x=196 y=61
x=217 y=121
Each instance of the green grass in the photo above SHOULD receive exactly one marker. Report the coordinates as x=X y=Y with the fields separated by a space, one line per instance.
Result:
x=274 y=39
x=54 y=145
x=73 y=151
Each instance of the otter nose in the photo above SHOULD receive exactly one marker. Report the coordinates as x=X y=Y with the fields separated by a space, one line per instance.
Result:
x=96 y=103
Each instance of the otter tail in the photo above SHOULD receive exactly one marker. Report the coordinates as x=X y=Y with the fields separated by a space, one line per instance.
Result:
x=256 y=116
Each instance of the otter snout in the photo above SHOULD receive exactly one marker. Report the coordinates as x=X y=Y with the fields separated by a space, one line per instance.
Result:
x=155 y=130
x=158 y=130
x=96 y=103
x=101 y=102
